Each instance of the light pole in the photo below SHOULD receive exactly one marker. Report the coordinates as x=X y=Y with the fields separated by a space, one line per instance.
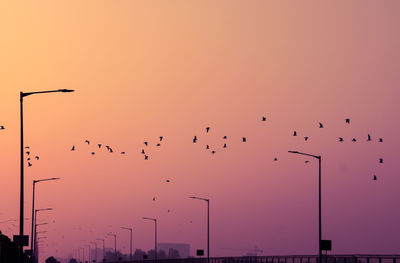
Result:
x=35 y=216
x=319 y=200
x=103 y=247
x=21 y=201
x=115 y=244
x=95 y=252
x=155 y=235
x=89 y=251
x=130 y=253
x=83 y=253
x=33 y=205
x=35 y=255
x=208 y=224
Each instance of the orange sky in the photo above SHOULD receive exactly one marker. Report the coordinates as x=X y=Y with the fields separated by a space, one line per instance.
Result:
x=142 y=69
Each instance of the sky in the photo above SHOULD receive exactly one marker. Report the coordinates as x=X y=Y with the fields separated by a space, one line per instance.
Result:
x=144 y=69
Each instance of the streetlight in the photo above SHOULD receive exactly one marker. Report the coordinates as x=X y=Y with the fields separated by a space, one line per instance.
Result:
x=35 y=250
x=104 y=255
x=208 y=224
x=95 y=252
x=115 y=244
x=89 y=251
x=33 y=204
x=130 y=229
x=155 y=235
x=319 y=199
x=21 y=203
x=35 y=216
x=83 y=253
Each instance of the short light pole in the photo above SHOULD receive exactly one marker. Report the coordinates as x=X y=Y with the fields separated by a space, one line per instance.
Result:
x=33 y=205
x=115 y=244
x=88 y=246
x=95 y=252
x=34 y=233
x=155 y=235
x=318 y=157
x=104 y=254
x=208 y=224
x=21 y=201
x=83 y=253
x=130 y=253
x=35 y=255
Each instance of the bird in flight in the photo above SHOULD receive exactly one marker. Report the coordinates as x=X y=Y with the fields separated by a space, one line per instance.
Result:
x=154 y=199
x=380 y=139
x=158 y=144
x=225 y=137
x=37 y=157
x=87 y=142
x=321 y=126
x=374 y=178
x=107 y=147
x=207 y=147
x=294 y=133
x=264 y=118
x=2 y=127
x=354 y=140
x=29 y=164
x=306 y=138
x=340 y=139
x=207 y=129
x=169 y=211
x=244 y=139
x=27 y=147
x=146 y=157
x=146 y=143
x=161 y=138
x=275 y=159
x=99 y=145
x=122 y=152
x=194 y=139
x=224 y=145
x=213 y=152
x=111 y=150
x=380 y=160
x=307 y=161
x=73 y=148
x=93 y=153
x=28 y=159
x=142 y=151
x=369 y=138
x=28 y=153
x=347 y=120
x=167 y=180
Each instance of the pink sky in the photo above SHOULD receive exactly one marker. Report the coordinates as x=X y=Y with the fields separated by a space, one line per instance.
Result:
x=142 y=69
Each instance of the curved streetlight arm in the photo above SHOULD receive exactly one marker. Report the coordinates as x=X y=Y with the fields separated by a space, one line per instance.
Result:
x=199 y=198
x=24 y=94
x=306 y=154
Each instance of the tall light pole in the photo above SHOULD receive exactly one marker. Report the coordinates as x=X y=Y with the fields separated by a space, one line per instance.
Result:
x=33 y=205
x=130 y=253
x=115 y=244
x=83 y=253
x=208 y=224
x=318 y=157
x=34 y=234
x=21 y=201
x=104 y=254
x=155 y=235
x=95 y=252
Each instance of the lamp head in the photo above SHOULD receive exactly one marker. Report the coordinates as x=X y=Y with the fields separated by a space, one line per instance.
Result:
x=66 y=90
x=293 y=151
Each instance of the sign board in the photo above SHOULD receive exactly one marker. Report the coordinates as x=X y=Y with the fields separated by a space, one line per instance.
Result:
x=25 y=240
x=199 y=252
x=28 y=252
x=326 y=245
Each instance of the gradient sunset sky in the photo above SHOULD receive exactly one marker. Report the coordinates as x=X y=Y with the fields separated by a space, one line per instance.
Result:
x=143 y=69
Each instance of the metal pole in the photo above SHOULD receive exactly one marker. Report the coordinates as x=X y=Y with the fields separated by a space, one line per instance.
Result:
x=155 y=224
x=320 y=225
x=130 y=254
x=21 y=199
x=115 y=247
x=208 y=231
x=33 y=216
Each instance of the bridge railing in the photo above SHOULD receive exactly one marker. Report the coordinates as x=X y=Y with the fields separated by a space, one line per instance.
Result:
x=354 y=258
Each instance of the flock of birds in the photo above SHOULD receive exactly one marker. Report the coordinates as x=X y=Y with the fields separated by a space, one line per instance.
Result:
x=147 y=146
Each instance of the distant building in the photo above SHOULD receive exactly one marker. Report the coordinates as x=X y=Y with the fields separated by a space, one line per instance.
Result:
x=183 y=249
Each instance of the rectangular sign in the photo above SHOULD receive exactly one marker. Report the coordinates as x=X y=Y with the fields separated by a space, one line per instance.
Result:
x=200 y=252
x=25 y=240
x=326 y=245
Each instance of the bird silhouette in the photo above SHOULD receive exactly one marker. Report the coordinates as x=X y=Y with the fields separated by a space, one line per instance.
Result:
x=213 y=152
x=107 y=147
x=374 y=178
x=354 y=140
x=321 y=126
x=264 y=118
x=28 y=153
x=306 y=138
x=87 y=142
x=154 y=199
x=146 y=157
x=194 y=139
x=380 y=139
x=225 y=137
x=307 y=161
x=161 y=138
x=142 y=152
x=224 y=145
x=146 y=143
x=28 y=159
x=167 y=180
x=369 y=138
x=122 y=152
x=169 y=211
x=29 y=164
x=111 y=150
x=99 y=145
x=2 y=127
x=244 y=139
x=207 y=147
x=207 y=129
x=275 y=159
x=158 y=144
x=380 y=160
x=93 y=153
x=27 y=147
x=37 y=157
x=347 y=120
x=73 y=148
x=340 y=139
x=294 y=133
